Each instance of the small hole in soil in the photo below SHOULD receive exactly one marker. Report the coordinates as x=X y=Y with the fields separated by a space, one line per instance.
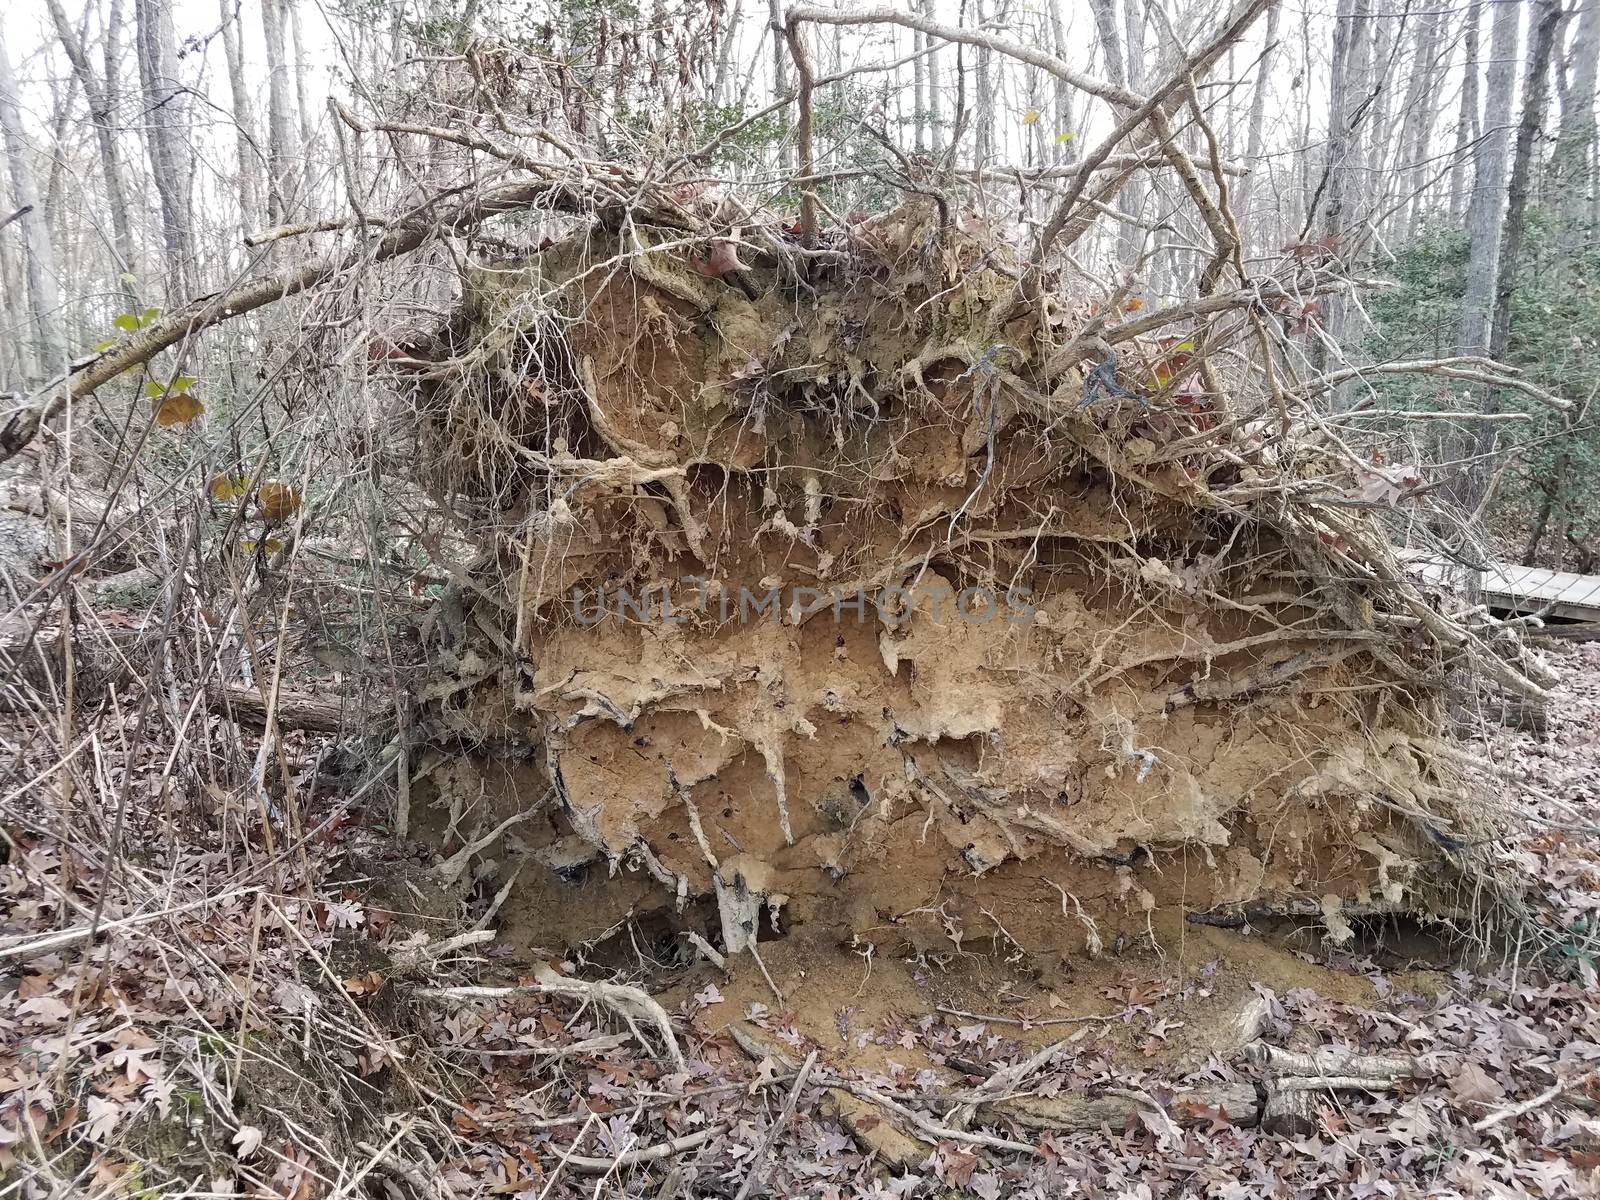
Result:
x=1393 y=941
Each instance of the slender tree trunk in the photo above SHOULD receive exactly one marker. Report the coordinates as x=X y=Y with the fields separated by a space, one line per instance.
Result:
x=1417 y=124
x=168 y=140
x=1134 y=195
x=1108 y=31
x=302 y=101
x=1571 y=177
x=1535 y=94
x=919 y=89
x=38 y=256
x=730 y=42
x=244 y=121
x=984 y=116
x=62 y=102
x=105 y=139
x=1554 y=490
x=16 y=359
x=1486 y=213
x=1486 y=224
x=1535 y=102
x=1467 y=121
x=1062 y=146
x=1257 y=128
x=935 y=95
x=1377 y=85
x=1352 y=33
x=280 y=162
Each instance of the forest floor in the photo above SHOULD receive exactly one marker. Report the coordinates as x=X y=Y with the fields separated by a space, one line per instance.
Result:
x=286 y=1016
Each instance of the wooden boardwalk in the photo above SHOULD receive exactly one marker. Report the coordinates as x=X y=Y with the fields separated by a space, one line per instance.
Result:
x=1513 y=588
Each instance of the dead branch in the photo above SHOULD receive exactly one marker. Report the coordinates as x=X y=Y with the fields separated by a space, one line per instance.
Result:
x=634 y=1158
x=971 y=37
x=1513 y=1111
x=295 y=710
x=1328 y=1061
x=1469 y=369
x=802 y=137
x=404 y=235
x=631 y=1004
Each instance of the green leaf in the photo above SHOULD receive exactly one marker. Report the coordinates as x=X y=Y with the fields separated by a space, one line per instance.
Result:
x=181 y=383
x=153 y=389
x=149 y=314
x=126 y=322
x=128 y=277
x=1066 y=135
x=104 y=344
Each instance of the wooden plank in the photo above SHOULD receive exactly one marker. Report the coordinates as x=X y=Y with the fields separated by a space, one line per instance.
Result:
x=1516 y=588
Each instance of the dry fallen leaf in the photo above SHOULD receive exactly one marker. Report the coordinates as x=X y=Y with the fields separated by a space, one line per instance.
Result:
x=177 y=408
x=276 y=500
x=247 y=1140
x=364 y=985
x=1473 y=1085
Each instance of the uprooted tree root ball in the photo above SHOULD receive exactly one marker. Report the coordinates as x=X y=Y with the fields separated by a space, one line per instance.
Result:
x=882 y=588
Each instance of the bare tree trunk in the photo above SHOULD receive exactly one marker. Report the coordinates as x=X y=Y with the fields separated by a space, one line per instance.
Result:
x=1571 y=178
x=1379 y=132
x=1417 y=123
x=1535 y=102
x=61 y=113
x=244 y=121
x=919 y=89
x=16 y=361
x=1346 y=94
x=1133 y=17
x=1134 y=195
x=1108 y=30
x=280 y=163
x=1535 y=91
x=1061 y=147
x=1034 y=132
x=1257 y=129
x=935 y=97
x=984 y=116
x=301 y=100
x=1352 y=32
x=1109 y=33
x=1486 y=215
x=1467 y=122
x=730 y=41
x=168 y=142
x=100 y=116
x=38 y=255
x=1554 y=491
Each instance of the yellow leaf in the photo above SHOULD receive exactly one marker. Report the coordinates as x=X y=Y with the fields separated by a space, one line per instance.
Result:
x=226 y=487
x=277 y=500
x=1029 y=117
x=1066 y=135
x=179 y=408
x=271 y=546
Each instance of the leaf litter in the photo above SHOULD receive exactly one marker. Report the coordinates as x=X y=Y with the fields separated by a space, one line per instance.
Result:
x=269 y=1036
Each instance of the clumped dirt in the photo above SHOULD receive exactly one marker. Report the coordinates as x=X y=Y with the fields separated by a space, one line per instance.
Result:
x=874 y=606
